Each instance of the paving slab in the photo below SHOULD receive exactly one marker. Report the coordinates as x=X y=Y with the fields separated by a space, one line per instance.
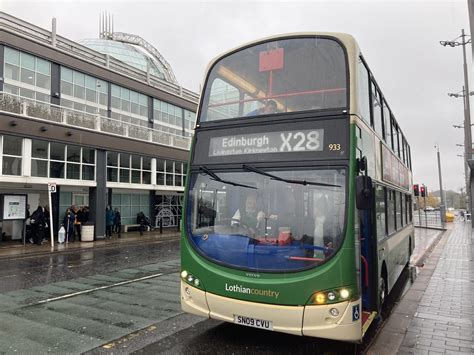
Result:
x=436 y=315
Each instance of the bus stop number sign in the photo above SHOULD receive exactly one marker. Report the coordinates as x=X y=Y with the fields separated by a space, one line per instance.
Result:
x=52 y=187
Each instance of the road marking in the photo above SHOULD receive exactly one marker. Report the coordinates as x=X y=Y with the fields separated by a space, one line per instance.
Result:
x=95 y=289
x=130 y=337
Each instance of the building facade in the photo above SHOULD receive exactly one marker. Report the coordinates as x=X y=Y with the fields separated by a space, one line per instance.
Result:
x=106 y=132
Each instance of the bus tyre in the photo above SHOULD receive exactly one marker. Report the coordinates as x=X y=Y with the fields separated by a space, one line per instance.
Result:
x=382 y=293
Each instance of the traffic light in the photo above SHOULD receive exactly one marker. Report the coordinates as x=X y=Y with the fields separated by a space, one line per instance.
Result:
x=416 y=190
x=423 y=190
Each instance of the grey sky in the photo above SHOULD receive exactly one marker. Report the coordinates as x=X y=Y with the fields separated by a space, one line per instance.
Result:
x=399 y=39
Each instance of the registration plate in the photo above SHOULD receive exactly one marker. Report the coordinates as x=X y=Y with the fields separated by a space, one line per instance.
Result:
x=253 y=322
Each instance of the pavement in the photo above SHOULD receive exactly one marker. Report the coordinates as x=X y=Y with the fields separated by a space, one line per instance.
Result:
x=436 y=314
x=16 y=249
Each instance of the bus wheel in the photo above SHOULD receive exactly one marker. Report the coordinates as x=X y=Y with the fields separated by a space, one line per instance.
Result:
x=409 y=254
x=382 y=293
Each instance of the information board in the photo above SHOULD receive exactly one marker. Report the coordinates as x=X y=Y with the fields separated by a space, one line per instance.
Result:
x=14 y=207
x=268 y=142
x=303 y=140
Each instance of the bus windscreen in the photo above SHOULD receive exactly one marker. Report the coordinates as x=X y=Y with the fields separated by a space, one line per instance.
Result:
x=280 y=76
x=267 y=220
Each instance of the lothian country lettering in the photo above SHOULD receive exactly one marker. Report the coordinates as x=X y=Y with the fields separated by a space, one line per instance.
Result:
x=251 y=291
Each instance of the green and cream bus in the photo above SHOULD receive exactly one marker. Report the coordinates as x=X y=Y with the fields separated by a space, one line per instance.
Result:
x=297 y=213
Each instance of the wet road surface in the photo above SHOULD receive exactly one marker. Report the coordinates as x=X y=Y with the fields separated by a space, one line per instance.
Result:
x=77 y=315
x=34 y=270
x=125 y=300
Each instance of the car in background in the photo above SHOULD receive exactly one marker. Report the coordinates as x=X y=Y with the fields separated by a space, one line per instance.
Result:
x=449 y=216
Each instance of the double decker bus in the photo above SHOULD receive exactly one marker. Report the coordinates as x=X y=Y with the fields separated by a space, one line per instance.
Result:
x=297 y=214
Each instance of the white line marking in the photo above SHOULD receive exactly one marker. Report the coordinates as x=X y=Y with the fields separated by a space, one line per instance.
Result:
x=95 y=289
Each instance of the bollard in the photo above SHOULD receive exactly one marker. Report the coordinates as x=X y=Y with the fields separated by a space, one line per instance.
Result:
x=179 y=223
x=161 y=225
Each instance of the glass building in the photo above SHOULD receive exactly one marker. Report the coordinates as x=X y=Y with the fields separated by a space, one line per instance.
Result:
x=130 y=54
x=108 y=123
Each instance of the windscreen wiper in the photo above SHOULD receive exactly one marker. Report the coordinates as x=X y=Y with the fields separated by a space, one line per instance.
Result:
x=274 y=177
x=217 y=178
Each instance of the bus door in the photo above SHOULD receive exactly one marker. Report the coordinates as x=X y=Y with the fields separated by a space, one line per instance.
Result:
x=368 y=245
x=368 y=251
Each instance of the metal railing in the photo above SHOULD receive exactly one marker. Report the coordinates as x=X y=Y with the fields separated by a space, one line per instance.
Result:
x=427 y=219
x=37 y=34
x=45 y=111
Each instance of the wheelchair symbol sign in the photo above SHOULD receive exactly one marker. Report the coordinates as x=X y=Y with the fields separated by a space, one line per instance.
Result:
x=355 y=313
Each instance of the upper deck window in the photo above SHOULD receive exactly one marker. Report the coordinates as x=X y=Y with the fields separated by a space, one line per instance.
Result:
x=290 y=75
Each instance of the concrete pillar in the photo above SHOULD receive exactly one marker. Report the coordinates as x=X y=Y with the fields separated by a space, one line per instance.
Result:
x=98 y=196
x=153 y=171
x=26 y=161
x=55 y=84
x=55 y=210
x=471 y=190
x=109 y=99
x=2 y=60
x=151 y=211
x=150 y=112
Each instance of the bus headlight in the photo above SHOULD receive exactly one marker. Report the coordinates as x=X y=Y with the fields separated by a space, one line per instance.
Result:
x=344 y=294
x=190 y=279
x=332 y=296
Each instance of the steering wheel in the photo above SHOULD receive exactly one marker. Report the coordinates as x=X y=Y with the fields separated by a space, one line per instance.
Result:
x=234 y=222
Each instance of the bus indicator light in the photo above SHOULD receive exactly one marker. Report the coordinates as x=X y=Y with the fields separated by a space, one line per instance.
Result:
x=184 y=274
x=320 y=298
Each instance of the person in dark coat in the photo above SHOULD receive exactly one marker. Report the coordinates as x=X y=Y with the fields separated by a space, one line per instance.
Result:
x=68 y=223
x=47 y=224
x=37 y=222
x=78 y=217
x=141 y=220
x=85 y=214
x=109 y=221
x=117 y=222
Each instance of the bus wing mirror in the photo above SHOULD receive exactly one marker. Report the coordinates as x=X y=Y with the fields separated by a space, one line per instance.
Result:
x=364 y=192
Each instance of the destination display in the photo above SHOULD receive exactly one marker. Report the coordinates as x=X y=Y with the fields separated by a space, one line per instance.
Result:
x=268 y=142
x=289 y=141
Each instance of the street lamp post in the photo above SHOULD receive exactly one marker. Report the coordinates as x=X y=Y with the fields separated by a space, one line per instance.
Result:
x=442 y=207
x=467 y=112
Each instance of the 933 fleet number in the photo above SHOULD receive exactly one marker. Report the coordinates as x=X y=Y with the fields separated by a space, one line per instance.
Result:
x=334 y=146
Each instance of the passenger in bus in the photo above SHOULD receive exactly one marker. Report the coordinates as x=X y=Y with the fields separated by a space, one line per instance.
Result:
x=269 y=108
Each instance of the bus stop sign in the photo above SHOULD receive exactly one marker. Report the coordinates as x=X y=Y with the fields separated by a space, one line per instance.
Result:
x=52 y=187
